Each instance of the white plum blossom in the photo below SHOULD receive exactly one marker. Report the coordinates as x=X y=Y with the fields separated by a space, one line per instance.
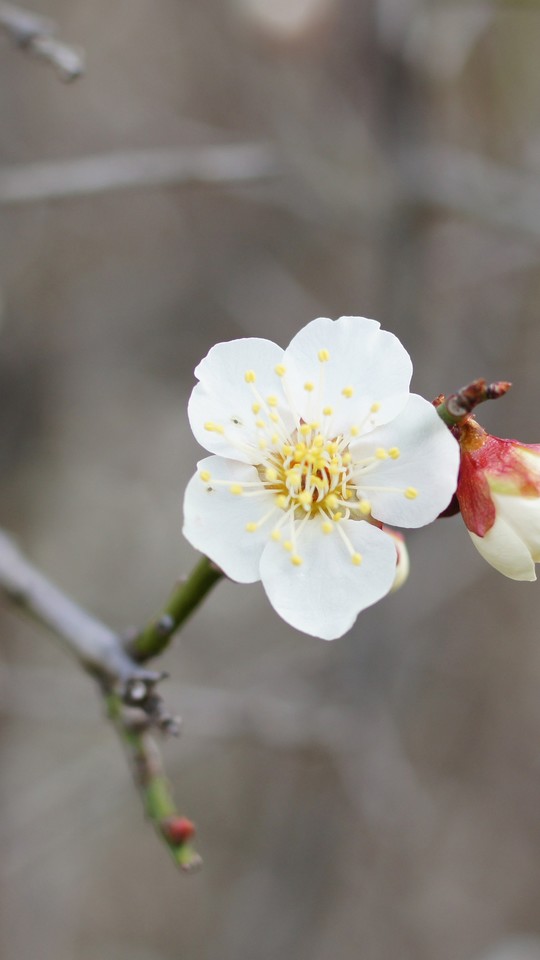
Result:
x=313 y=449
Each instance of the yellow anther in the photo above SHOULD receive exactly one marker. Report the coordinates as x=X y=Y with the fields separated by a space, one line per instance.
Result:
x=327 y=527
x=348 y=392
x=249 y=376
x=280 y=370
x=287 y=545
x=251 y=527
x=305 y=429
x=256 y=407
x=213 y=427
x=411 y=493
x=237 y=489
x=296 y=560
x=292 y=475
x=309 y=386
x=328 y=411
x=364 y=507
x=282 y=501
x=338 y=515
x=323 y=355
x=318 y=441
x=346 y=459
x=262 y=444
x=394 y=452
x=205 y=476
x=286 y=449
x=261 y=424
x=332 y=447
x=355 y=431
x=375 y=407
x=381 y=453
x=356 y=559
x=331 y=501
x=271 y=474
x=304 y=498
x=272 y=401
x=314 y=425
x=274 y=417
x=276 y=535
x=334 y=470
x=274 y=438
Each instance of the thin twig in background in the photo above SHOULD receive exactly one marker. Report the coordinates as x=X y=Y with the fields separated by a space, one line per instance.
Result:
x=129 y=691
x=37 y=35
x=221 y=164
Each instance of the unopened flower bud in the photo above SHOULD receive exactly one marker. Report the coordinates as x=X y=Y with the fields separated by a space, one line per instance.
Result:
x=499 y=498
x=402 y=558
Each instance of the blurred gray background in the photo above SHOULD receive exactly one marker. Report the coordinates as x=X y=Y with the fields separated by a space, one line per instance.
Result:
x=374 y=798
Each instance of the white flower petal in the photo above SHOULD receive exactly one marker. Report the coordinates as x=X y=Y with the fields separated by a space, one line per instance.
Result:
x=415 y=488
x=324 y=595
x=512 y=545
x=223 y=398
x=366 y=366
x=215 y=519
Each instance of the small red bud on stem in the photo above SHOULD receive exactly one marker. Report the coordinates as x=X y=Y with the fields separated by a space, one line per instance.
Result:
x=177 y=830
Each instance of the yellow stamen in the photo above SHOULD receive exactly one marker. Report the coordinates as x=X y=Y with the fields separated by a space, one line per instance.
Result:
x=348 y=392
x=237 y=489
x=364 y=507
x=394 y=452
x=328 y=411
x=282 y=501
x=296 y=560
x=250 y=376
x=213 y=427
x=355 y=431
x=323 y=355
x=287 y=545
x=356 y=559
x=327 y=527
x=272 y=401
x=381 y=453
x=256 y=408
x=271 y=474
x=205 y=476
x=375 y=407
x=260 y=424
x=309 y=386
x=280 y=370
x=251 y=527
x=276 y=535
x=411 y=493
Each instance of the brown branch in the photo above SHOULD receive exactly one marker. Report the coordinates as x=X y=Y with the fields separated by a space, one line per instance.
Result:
x=36 y=34
x=133 y=704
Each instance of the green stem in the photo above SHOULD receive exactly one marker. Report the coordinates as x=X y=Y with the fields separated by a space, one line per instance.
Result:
x=155 y=637
x=153 y=785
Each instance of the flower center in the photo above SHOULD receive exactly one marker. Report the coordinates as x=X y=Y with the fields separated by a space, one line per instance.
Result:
x=309 y=473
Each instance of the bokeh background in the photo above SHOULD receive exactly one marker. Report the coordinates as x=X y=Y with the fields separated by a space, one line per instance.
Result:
x=374 y=798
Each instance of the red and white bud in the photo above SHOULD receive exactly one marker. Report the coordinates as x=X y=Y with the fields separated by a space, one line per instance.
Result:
x=402 y=558
x=499 y=497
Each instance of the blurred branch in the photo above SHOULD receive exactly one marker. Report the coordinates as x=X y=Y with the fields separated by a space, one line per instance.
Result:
x=130 y=690
x=225 y=164
x=36 y=34
x=467 y=184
